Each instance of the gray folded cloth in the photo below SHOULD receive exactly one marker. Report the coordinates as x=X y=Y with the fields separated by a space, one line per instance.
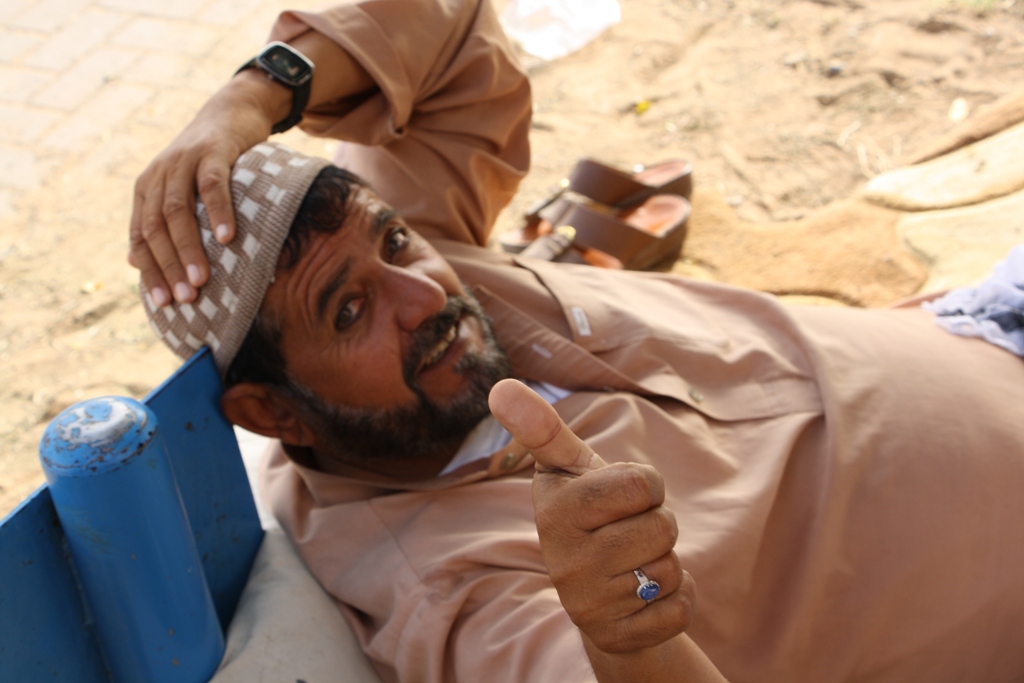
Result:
x=993 y=310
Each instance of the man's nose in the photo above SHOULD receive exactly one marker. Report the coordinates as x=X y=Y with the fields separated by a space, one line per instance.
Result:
x=415 y=297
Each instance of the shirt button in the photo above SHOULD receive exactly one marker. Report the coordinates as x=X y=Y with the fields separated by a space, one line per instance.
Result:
x=696 y=395
x=508 y=462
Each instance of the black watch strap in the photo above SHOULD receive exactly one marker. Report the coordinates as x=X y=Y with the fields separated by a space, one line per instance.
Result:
x=289 y=67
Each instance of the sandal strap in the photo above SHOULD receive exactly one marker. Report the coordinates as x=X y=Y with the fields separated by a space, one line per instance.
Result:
x=599 y=230
x=607 y=185
x=613 y=187
x=536 y=211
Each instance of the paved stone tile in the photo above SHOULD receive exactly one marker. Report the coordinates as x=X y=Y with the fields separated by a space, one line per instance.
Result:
x=23 y=125
x=103 y=113
x=177 y=9
x=256 y=25
x=167 y=113
x=160 y=69
x=182 y=37
x=210 y=76
x=46 y=15
x=12 y=8
x=155 y=124
x=13 y=44
x=17 y=84
x=229 y=12
x=118 y=160
x=85 y=78
x=246 y=40
x=18 y=168
x=75 y=39
x=6 y=210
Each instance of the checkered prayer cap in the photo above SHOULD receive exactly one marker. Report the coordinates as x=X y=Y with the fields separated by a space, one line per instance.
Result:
x=268 y=184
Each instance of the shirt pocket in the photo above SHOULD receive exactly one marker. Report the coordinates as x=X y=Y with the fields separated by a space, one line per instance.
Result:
x=664 y=334
x=608 y=309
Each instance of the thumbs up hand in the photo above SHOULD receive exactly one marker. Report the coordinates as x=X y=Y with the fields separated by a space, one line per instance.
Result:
x=597 y=524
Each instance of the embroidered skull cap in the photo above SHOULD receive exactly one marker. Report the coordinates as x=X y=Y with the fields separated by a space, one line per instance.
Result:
x=268 y=184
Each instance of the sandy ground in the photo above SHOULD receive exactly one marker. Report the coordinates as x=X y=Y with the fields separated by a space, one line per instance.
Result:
x=786 y=108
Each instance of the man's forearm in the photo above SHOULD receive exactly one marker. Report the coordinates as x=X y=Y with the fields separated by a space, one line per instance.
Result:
x=337 y=74
x=678 y=660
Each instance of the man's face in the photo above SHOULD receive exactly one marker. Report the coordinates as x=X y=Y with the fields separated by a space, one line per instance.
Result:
x=392 y=358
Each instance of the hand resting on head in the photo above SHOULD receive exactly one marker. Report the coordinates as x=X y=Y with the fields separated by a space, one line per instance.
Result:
x=164 y=240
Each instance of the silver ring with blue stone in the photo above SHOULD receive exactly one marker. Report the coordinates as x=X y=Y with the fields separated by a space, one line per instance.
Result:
x=648 y=589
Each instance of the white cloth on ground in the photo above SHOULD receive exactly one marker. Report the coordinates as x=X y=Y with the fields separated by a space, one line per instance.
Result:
x=993 y=310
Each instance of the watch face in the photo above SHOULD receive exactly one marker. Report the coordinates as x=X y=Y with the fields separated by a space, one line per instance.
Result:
x=284 y=63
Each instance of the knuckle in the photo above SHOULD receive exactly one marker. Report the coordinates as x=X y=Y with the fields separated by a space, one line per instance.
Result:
x=656 y=484
x=209 y=180
x=174 y=204
x=136 y=240
x=152 y=226
x=682 y=611
x=580 y=498
x=668 y=572
x=169 y=266
x=633 y=486
x=592 y=488
x=578 y=517
x=688 y=588
x=677 y=573
x=609 y=641
x=665 y=525
x=145 y=179
x=571 y=580
x=556 y=533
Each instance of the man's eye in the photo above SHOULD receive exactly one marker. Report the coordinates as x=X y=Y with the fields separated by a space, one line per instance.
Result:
x=348 y=313
x=396 y=240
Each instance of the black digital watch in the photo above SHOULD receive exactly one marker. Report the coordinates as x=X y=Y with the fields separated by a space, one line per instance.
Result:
x=291 y=68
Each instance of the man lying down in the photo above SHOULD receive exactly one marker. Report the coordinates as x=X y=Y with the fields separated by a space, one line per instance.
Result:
x=696 y=482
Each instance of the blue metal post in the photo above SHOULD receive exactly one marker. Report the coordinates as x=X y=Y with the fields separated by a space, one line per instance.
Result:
x=129 y=536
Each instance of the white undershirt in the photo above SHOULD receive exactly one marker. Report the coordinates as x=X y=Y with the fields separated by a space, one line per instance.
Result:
x=489 y=436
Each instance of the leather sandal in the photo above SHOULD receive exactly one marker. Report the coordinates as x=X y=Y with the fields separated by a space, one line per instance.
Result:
x=618 y=220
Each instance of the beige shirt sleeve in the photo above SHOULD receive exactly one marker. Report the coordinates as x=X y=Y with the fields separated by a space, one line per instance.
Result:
x=445 y=138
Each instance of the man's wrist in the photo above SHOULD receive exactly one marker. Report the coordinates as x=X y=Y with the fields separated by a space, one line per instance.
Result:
x=286 y=65
x=256 y=90
x=676 y=659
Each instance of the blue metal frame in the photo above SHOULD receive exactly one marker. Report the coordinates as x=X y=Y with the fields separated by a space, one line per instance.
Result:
x=46 y=630
x=211 y=478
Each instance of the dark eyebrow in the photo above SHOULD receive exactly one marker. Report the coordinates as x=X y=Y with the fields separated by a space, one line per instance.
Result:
x=379 y=224
x=333 y=286
x=381 y=221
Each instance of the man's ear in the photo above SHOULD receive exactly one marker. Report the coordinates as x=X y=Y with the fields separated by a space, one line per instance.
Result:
x=263 y=410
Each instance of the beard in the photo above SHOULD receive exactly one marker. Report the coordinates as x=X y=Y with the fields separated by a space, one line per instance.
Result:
x=429 y=428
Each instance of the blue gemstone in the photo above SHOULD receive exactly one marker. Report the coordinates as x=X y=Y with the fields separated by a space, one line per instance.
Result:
x=648 y=591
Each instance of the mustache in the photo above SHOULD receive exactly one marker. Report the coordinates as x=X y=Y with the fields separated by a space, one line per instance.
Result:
x=431 y=332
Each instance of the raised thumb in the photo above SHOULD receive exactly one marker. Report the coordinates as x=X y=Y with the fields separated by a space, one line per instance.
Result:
x=535 y=424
